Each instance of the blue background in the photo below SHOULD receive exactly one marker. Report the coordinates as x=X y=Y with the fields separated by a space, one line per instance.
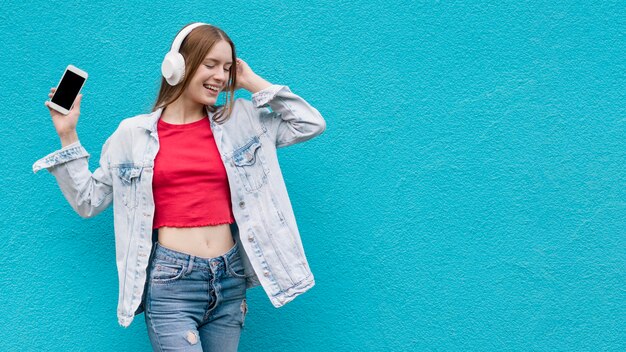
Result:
x=468 y=193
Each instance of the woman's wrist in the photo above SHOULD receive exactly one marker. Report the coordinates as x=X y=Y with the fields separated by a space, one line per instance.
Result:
x=257 y=83
x=68 y=138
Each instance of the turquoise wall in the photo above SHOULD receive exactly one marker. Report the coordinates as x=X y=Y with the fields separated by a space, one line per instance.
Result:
x=467 y=195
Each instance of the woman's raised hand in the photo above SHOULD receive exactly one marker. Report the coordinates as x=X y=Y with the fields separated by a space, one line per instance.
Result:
x=244 y=75
x=247 y=79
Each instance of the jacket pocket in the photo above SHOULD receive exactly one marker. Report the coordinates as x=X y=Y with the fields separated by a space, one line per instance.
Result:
x=249 y=161
x=129 y=176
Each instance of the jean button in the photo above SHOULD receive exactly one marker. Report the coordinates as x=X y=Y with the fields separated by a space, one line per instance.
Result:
x=242 y=204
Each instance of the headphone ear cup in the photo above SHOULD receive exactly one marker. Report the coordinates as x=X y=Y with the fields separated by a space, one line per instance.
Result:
x=173 y=68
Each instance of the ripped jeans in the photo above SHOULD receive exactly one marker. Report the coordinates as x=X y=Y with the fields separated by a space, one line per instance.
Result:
x=195 y=303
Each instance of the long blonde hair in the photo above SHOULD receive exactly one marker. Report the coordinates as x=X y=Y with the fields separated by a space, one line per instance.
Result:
x=194 y=48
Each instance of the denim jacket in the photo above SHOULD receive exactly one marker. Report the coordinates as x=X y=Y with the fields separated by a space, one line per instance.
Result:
x=265 y=228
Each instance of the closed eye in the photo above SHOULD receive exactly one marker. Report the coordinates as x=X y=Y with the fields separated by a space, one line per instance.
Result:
x=226 y=69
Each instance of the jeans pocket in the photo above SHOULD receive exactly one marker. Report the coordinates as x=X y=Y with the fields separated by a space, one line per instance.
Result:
x=235 y=268
x=165 y=272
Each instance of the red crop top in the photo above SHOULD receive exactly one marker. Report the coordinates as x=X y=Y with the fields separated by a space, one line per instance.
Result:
x=190 y=184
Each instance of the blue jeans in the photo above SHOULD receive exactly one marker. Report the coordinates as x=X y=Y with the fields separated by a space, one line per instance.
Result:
x=195 y=303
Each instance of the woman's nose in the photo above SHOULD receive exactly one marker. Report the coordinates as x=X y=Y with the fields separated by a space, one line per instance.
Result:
x=220 y=74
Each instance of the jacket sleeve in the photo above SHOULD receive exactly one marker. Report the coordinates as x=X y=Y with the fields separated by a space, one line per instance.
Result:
x=88 y=194
x=292 y=120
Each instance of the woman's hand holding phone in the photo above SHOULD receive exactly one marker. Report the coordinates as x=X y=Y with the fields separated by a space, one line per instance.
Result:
x=65 y=125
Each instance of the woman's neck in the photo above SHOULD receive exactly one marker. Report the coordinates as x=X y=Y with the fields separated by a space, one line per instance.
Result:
x=180 y=112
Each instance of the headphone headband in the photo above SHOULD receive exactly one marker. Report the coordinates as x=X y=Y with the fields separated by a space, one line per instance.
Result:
x=183 y=34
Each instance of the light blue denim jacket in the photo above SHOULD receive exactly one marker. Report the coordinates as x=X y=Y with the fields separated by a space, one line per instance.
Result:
x=265 y=228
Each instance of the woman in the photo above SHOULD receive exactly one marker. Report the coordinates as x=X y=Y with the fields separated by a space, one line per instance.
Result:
x=204 y=181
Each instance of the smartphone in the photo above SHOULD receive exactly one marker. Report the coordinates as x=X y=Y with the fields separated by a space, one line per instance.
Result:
x=68 y=88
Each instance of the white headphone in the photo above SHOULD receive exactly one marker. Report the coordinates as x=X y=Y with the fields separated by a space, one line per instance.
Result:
x=173 y=66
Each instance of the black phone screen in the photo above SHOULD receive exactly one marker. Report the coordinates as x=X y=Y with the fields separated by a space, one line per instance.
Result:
x=68 y=89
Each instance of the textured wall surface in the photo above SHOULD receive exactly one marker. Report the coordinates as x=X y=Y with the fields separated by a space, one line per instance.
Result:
x=468 y=193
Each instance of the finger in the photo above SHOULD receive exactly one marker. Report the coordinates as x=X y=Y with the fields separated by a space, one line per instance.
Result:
x=78 y=100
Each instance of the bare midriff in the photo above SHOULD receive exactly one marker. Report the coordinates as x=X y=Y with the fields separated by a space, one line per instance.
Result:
x=204 y=241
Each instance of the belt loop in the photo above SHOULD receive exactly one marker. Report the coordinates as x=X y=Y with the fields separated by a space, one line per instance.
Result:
x=226 y=263
x=189 y=265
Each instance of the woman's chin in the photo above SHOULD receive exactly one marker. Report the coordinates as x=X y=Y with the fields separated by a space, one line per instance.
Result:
x=210 y=101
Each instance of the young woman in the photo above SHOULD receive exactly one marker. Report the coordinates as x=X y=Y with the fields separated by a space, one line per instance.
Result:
x=201 y=211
